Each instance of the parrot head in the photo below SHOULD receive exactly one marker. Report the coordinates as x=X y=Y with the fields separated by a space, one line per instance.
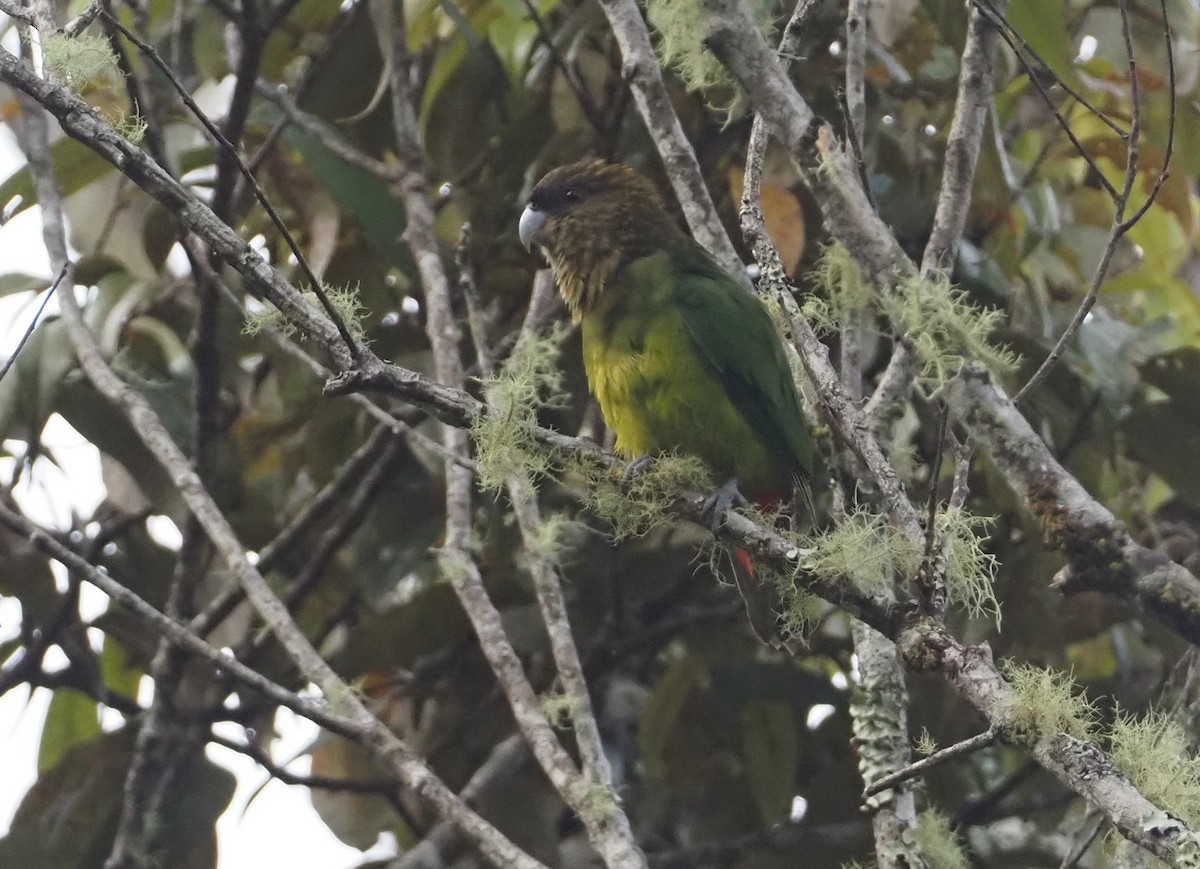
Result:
x=589 y=218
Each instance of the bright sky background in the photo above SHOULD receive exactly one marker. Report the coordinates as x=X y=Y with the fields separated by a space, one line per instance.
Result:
x=280 y=826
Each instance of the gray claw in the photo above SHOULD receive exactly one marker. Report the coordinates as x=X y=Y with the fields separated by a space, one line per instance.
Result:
x=718 y=503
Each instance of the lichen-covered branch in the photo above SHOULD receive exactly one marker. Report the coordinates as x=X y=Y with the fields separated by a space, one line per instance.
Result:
x=1079 y=763
x=1101 y=554
x=879 y=709
x=1169 y=590
x=975 y=83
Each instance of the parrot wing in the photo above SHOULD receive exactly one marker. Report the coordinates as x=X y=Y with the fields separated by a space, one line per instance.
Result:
x=735 y=333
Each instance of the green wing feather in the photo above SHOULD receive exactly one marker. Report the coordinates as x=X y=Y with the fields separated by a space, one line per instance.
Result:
x=734 y=331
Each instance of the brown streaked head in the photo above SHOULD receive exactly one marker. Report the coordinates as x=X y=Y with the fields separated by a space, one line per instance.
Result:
x=591 y=217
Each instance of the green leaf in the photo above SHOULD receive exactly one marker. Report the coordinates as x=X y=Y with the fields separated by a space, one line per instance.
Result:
x=121 y=675
x=308 y=19
x=107 y=428
x=14 y=283
x=356 y=819
x=1044 y=26
x=29 y=391
x=199 y=795
x=1112 y=349
x=1176 y=373
x=71 y=720
x=664 y=709
x=770 y=747
x=431 y=620
x=358 y=192
x=68 y=819
x=75 y=165
x=1165 y=435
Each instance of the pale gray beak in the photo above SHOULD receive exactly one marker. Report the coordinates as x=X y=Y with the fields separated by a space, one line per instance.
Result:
x=532 y=221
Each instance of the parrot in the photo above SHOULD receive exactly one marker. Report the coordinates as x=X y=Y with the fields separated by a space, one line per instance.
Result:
x=679 y=355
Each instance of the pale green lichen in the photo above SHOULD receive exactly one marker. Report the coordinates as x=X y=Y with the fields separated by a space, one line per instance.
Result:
x=504 y=436
x=1154 y=752
x=132 y=127
x=944 y=330
x=344 y=300
x=1044 y=703
x=846 y=290
x=938 y=843
x=682 y=26
x=970 y=570
x=643 y=502
x=925 y=744
x=862 y=549
x=801 y=613
x=547 y=541
x=936 y=319
x=559 y=709
x=75 y=61
x=597 y=800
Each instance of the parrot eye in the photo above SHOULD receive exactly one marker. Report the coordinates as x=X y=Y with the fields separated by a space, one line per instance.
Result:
x=572 y=196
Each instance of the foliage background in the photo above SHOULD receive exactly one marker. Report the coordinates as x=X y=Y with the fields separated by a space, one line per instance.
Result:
x=710 y=734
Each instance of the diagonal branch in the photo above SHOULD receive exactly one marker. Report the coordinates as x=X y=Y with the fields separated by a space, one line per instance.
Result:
x=645 y=79
x=345 y=722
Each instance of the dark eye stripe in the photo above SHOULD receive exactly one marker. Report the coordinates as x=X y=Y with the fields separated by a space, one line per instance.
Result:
x=553 y=198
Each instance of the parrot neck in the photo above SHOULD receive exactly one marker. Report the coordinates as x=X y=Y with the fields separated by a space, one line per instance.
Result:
x=589 y=255
x=582 y=278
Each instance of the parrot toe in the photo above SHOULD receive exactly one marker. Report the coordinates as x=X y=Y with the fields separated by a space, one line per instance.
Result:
x=718 y=503
x=636 y=467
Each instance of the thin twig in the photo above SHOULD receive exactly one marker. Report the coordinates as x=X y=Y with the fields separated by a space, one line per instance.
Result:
x=931 y=576
x=476 y=317
x=383 y=787
x=1036 y=69
x=329 y=137
x=1120 y=225
x=578 y=88
x=963 y=143
x=33 y=323
x=1089 y=829
x=252 y=37
x=975 y=743
x=314 y=283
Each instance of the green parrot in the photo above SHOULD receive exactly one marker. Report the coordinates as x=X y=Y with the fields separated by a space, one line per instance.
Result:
x=678 y=354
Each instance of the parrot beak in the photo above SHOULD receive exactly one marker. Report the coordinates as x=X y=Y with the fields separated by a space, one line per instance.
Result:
x=532 y=221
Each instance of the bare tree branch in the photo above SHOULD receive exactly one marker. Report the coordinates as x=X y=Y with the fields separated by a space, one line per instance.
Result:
x=974 y=743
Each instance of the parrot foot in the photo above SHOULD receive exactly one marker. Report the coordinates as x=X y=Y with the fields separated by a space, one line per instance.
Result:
x=636 y=467
x=718 y=503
